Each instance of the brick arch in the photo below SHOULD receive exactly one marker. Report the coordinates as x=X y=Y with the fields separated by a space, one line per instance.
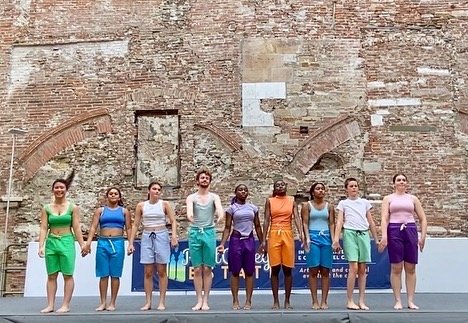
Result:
x=324 y=140
x=226 y=138
x=70 y=132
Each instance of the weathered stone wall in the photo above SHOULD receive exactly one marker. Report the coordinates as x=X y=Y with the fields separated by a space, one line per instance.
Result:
x=312 y=90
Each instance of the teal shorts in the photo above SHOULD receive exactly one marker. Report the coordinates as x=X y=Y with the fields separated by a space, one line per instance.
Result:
x=60 y=254
x=356 y=246
x=202 y=246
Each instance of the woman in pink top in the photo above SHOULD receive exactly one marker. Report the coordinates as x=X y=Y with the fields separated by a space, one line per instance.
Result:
x=399 y=233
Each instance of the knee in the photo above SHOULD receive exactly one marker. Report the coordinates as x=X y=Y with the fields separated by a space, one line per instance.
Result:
x=410 y=270
x=162 y=274
x=397 y=269
x=275 y=271
x=287 y=272
x=325 y=272
x=313 y=272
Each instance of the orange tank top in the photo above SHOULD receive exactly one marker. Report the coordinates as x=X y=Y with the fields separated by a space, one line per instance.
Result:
x=281 y=210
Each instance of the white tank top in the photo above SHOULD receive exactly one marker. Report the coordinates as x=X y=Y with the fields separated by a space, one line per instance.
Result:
x=153 y=214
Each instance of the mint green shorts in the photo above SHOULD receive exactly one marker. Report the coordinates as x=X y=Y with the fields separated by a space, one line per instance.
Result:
x=202 y=246
x=356 y=245
x=60 y=254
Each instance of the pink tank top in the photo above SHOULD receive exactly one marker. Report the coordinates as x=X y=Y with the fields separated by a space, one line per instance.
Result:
x=401 y=208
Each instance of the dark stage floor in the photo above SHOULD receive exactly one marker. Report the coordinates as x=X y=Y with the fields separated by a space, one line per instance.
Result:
x=434 y=307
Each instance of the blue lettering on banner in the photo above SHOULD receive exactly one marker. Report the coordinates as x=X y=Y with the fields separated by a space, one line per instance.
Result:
x=180 y=272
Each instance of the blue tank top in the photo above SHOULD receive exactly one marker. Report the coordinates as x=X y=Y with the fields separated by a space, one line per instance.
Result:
x=112 y=218
x=318 y=219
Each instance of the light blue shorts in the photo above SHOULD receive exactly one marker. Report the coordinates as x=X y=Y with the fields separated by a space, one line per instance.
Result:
x=155 y=247
x=202 y=246
x=110 y=256
x=321 y=253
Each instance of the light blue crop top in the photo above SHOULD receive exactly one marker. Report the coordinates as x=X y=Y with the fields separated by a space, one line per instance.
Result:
x=318 y=219
x=112 y=218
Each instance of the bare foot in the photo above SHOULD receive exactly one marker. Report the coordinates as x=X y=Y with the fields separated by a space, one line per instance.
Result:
x=363 y=306
x=324 y=306
x=205 y=307
x=236 y=306
x=48 y=309
x=110 y=307
x=197 y=306
x=145 y=307
x=352 y=306
x=275 y=306
x=247 y=306
x=413 y=306
x=398 y=306
x=101 y=307
x=63 y=309
x=315 y=306
x=287 y=306
x=161 y=307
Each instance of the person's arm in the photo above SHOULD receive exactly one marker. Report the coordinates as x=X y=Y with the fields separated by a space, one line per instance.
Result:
x=219 y=209
x=77 y=226
x=266 y=225
x=44 y=228
x=384 y=219
x=258 y=230
x=171 y=216
x=226 y=232
x=338 y=228
x=298 y=222
x=422 y=222
x=305 y=213
x=128 y=222
x=135 y=226
x=92 y=231
x=331 y=220
x=372 y=227
x=189 y=204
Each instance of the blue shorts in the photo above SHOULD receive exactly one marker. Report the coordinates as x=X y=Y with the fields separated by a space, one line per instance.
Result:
x=202 y=246
x=321 y=253
x=155 y=247
x=110 y=254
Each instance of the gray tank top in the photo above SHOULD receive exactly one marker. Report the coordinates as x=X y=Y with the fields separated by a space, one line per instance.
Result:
x=203 y=214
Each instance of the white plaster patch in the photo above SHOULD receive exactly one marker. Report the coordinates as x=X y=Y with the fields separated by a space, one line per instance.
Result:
x=459 y=13
x=371 y=167
x=23 y=6
x=376 y=120
x=375 y=85
x=252 y=93
x=433 y=71
x=382 y=112
x=394 y=102
x=253 y=115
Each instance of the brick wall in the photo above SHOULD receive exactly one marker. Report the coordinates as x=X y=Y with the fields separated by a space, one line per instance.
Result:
x=379 y=85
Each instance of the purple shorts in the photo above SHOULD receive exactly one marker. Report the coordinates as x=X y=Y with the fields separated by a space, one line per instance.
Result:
x=241 y=254
x=402 y=243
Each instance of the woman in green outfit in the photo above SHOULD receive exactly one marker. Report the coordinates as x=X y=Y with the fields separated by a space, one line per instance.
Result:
x=60 y=222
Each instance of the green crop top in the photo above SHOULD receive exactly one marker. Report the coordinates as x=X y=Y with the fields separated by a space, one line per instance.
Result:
x=59 y=221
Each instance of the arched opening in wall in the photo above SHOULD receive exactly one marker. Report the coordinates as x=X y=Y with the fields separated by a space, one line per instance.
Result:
x=328 y=161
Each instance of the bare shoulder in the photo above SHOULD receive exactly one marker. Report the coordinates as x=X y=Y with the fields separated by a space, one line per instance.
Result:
x=190 y=198
x=215 y=196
